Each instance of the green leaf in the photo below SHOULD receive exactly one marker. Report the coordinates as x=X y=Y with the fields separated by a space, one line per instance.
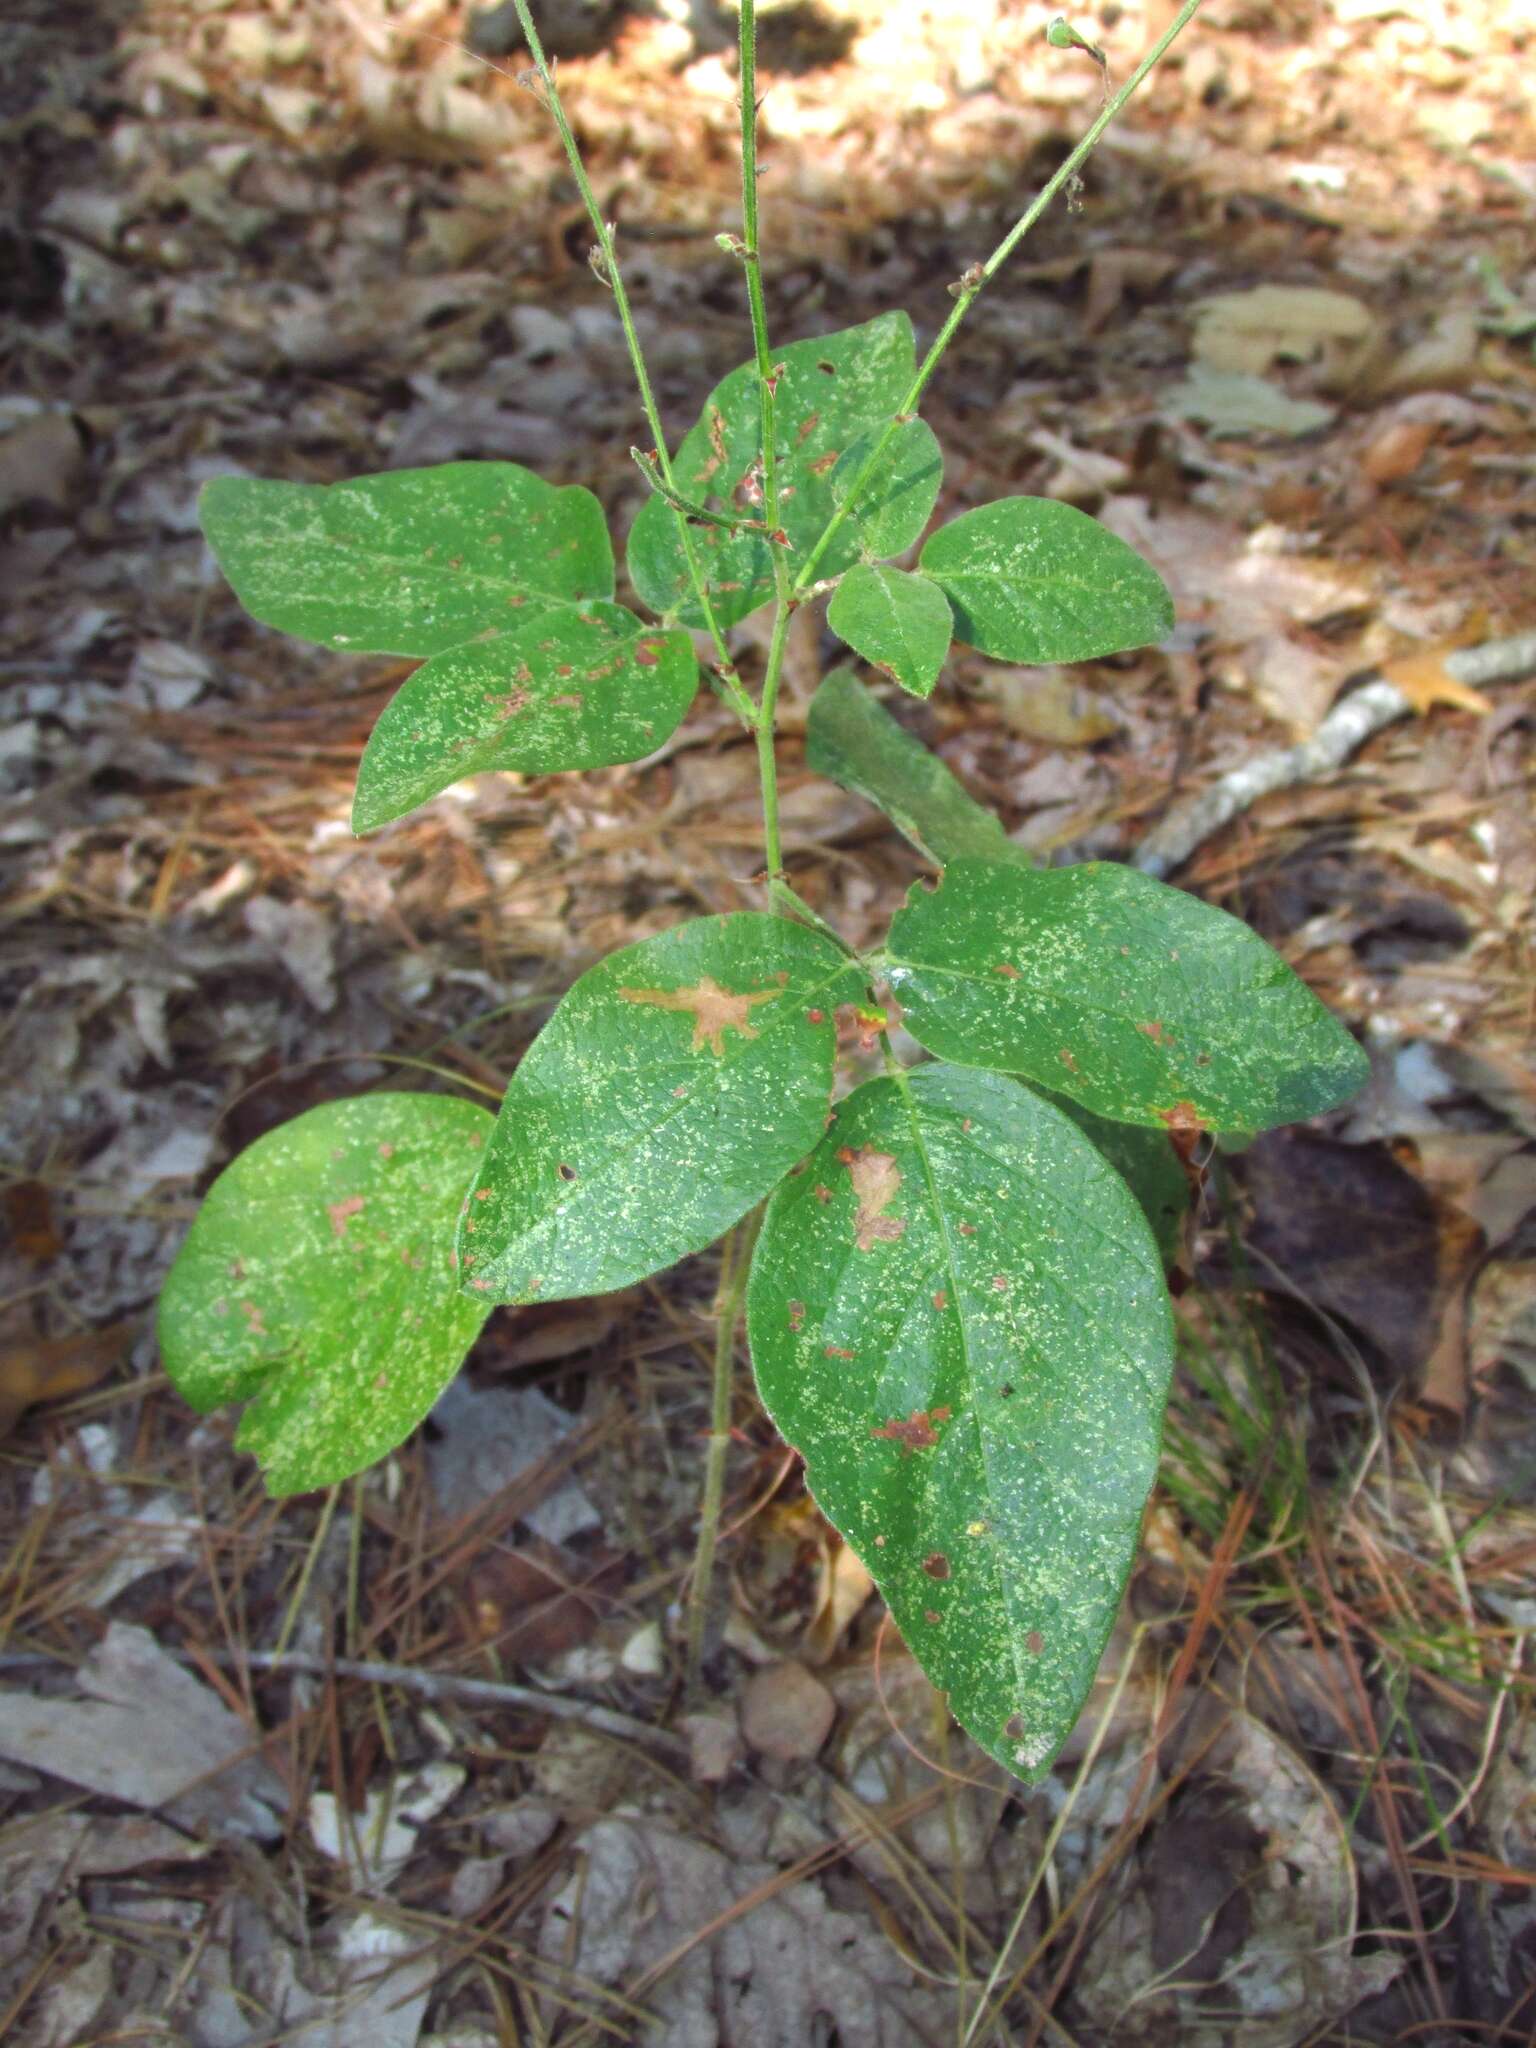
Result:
x=833 y=388
x=580 y=686
x=675 y=1084
x=898 y=501
x=1136 y=1000
x=1034 y=580
x=901 y=623
x=410 y=562
x=316 y=1284
x=1146 y=1161
x=957 y=1315
x=851 y=737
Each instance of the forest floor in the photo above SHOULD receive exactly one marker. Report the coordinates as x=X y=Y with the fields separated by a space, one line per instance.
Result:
x=313 y=240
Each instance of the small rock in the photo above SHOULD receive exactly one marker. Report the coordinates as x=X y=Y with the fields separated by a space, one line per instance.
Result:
x=474 y=1884
x=522 y=1828
x=714 y=1747
x=786 y=1713
x=644 y=1653
x=538 y=333
x=42 y=462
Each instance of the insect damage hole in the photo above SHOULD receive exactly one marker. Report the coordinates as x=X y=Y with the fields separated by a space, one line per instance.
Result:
x=566 y=1172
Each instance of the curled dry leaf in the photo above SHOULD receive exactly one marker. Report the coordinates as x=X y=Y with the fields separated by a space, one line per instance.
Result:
x=49 y=1369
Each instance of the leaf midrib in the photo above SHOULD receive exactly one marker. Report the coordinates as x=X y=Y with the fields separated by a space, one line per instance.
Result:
x=900 y=1076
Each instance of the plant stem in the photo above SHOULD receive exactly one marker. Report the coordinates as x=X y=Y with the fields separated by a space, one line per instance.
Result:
x=735 y=1264
x=767 y=706
x=753 y=264
x=970 y=286
x=767 y=759
x=726 y=669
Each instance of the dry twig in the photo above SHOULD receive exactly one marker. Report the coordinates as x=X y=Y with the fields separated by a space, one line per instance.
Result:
x=1346 y=728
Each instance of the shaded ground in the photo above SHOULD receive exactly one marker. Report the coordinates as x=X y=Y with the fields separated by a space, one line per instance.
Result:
x=315 y=241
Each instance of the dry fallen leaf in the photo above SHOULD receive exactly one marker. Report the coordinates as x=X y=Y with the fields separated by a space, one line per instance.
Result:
x=1425 y=681
x=725 y=1952
x=1247 y=331
x=48 y=1369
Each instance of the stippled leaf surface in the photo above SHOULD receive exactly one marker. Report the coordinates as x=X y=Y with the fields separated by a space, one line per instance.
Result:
x=834 y=388
x=317 y=1285
x=580 y=686
x=897 y=501
x=957 y=1315
x=851 y=737
x=1146 y=1161
x=900 y=622
x=409 y=562
x=1034 y=580
x=676 y=1082
x=1135 y=999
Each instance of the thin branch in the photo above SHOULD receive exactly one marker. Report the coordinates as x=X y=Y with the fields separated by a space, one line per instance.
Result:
x=427 y=1685
x=1347 y=727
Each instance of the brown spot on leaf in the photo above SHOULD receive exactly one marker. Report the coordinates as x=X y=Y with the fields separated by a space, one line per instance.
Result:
x=714 y=1010
x=482 y=1194
x=1034 y=1642
x=386 y=1151
x=876 y=1178
x=341 y=1213
x=1067 y=1060
x=941 y=1300
x=837 y=1351
x=822 y=1192
x=916 y=1433
x=932 y=1617
x=807 y=426
x=936 y=1565
x=1184 y=1130
x=1156 y=1030
x=999 y=1283
x=1008 y=973
x=566 y=1172
x=646 y=654
x=1013 y=1727
x=252 y=1316
x=797 y=1315
x=571 y=701
x=967 y=1229
x=816 y=1016
x=823 y=463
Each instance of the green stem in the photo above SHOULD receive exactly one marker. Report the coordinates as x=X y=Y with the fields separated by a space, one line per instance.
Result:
x=735 y=1265
x=767 y=707
x=612 y=276
x=753 y=263
x=971 y=284
x=767 y=759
